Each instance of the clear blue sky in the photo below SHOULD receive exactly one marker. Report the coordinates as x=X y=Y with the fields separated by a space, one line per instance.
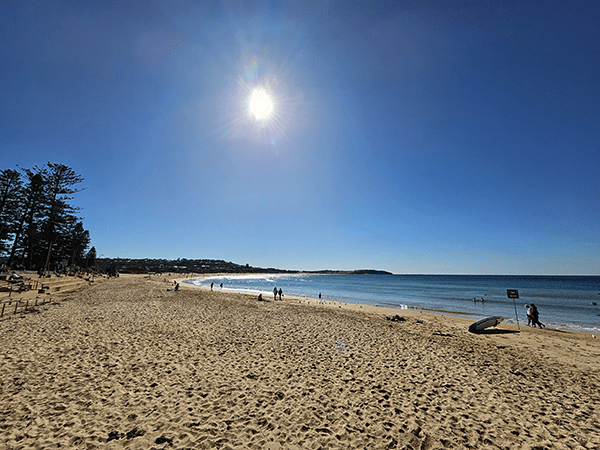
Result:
x=414 y=137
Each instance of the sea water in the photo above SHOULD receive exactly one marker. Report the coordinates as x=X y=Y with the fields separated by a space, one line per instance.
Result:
x=563 y=301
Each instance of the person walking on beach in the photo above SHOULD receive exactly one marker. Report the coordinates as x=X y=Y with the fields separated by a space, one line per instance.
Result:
x=275 y=293
x=211 y=286
x=280 y=293
x=528 y=315
x=535 y=320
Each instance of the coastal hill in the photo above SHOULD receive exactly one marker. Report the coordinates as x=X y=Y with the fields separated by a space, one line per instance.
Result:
x=371 y=272
x=129 y=265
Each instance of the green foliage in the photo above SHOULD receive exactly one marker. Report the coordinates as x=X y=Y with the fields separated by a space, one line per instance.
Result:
x=91 y=257
x=11 y=188
x=39 y=227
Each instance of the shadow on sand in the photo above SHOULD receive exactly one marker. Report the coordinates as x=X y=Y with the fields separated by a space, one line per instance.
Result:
x=495 y=331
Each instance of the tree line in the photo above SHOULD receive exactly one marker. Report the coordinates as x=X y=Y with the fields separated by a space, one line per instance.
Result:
x=39 y=226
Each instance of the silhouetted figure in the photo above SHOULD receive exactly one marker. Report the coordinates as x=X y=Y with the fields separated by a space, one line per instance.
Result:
x=280 y=293
x=528 y=315
x=535 y=317
x=211 y=286
x=275 y=293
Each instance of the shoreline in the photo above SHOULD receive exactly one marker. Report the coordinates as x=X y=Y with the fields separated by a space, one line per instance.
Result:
x=438 y=311
x=531 y=335
x=381 y=310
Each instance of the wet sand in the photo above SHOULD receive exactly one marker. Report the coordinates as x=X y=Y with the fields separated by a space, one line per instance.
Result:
x=127 y=364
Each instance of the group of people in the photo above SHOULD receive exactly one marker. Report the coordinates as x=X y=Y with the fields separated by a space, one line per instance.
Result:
x=212 y=284
x=275 y=292
x=176 y=287
x=533 y=316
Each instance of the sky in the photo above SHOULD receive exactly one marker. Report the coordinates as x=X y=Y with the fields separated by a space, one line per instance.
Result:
x=414 y=137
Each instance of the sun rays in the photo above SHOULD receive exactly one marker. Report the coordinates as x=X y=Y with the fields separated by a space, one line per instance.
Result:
x=262 y=106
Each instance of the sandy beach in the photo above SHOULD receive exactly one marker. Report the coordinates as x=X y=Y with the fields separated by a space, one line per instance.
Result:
x=125 y=363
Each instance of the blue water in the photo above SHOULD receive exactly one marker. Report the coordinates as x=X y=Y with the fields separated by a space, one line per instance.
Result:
x=563 y=301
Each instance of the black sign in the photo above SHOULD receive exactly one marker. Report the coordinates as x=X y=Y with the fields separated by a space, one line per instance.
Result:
x=512 y=293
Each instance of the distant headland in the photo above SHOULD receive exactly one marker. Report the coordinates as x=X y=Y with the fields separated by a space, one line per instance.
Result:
x=203 y=266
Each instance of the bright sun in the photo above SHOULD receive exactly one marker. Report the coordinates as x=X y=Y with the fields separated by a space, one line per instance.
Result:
x=260 y=104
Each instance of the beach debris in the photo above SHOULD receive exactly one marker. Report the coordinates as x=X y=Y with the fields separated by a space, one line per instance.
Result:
x=339 y=345
x=395 y=318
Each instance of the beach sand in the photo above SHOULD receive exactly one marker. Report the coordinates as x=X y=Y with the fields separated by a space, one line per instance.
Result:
x=127 y=364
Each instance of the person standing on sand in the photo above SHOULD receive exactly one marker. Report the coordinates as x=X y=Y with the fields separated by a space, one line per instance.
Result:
x=280 y=293
x=211 y=286
x=275 y=293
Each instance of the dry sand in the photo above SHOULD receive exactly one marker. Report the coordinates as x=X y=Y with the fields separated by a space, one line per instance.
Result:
x=127 y=364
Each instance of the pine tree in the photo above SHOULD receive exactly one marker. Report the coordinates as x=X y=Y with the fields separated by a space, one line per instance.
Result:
x=27 y=211
x=36 y=212
x=75 y=245
x=11 y=188
x=59 y=214
x=91 y=258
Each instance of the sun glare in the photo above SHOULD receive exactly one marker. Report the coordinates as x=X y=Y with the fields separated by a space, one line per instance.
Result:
x=260 y=104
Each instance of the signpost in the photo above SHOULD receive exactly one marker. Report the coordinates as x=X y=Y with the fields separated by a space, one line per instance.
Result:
x=514 y=294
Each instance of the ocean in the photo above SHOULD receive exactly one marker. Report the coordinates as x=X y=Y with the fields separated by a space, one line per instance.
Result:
x=565 y=302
